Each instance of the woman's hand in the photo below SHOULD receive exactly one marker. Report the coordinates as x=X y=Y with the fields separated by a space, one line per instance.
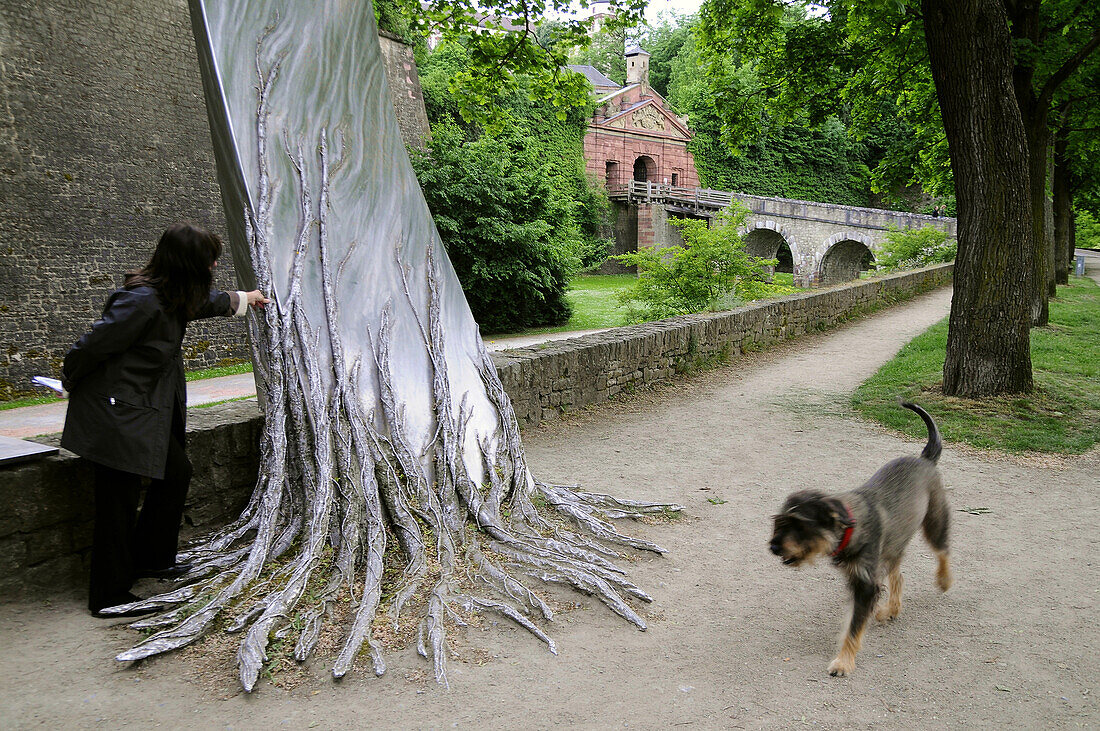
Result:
x=256 y=299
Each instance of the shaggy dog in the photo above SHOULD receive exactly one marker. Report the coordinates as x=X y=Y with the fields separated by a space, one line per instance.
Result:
x=865 y=532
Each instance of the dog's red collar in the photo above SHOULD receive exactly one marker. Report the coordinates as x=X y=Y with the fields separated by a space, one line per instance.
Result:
x=847 y=533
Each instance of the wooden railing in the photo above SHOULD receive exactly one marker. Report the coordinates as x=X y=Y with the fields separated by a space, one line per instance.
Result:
x=650 y=192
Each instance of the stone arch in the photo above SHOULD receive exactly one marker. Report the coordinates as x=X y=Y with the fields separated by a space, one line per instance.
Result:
x=845 y=254
x=769 y=240
x=645 y=169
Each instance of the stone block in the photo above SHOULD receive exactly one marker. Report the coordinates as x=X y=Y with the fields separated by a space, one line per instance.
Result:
x=48 y=543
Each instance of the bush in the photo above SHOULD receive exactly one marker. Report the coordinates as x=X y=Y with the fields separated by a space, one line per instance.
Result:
x=914 y=248
x=711 y=271
x=497 y=217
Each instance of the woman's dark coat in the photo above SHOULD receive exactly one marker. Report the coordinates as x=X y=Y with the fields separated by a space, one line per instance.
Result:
x=125 y=377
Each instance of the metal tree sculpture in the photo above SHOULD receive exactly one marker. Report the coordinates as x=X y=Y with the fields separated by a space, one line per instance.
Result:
x=384 y=417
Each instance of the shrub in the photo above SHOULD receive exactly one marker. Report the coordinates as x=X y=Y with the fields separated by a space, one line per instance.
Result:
x=711 y=271
x=913 y=248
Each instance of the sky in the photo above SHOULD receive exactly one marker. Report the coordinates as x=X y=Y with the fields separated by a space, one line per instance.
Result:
x=680 y=7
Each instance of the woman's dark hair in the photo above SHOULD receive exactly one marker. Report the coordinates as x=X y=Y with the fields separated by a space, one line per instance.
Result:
x=180 y=270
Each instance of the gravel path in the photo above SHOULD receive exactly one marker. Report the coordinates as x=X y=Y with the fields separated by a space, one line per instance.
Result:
x=736 y=640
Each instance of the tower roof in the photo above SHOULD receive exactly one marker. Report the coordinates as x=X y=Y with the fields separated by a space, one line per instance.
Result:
x=635 y=51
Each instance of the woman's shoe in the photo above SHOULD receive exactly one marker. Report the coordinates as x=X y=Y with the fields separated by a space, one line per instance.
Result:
x=174 y=571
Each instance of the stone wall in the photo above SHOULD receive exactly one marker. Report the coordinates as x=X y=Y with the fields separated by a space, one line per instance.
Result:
x=46 y=528
x=45 y=532
x=405 y=90
x=104 y=142
x=549 y=379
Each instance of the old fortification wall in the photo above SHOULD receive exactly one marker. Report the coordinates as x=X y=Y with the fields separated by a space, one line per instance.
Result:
x=45 y=531
x=104 y=142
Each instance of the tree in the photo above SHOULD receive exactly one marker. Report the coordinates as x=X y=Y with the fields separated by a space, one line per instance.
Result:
x=967 y=49
x=536 y=49
x=392 y=473
x=496 y=217
x=664 y=40
x=526 y=177
x=605 y=52
x=1051 y=40
x=763 y=156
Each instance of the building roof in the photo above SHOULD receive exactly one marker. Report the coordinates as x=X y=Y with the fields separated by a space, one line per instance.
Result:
x=594 y=76
x=635 y=51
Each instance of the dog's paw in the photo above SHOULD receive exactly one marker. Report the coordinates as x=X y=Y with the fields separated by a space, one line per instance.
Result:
x=944 y=579
x=840 y=668
x=885 y=614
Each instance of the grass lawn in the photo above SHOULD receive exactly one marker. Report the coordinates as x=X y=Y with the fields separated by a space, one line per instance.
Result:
x=594 y=305
x=29 y=401
x=219 y=371
x=1061 y=415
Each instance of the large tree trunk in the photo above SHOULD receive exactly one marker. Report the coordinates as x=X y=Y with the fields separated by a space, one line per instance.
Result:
x=1063 y=213
x=392 y=473
x=988 y=347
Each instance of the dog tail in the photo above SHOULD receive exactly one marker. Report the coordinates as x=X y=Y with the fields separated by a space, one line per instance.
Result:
x=934 y=447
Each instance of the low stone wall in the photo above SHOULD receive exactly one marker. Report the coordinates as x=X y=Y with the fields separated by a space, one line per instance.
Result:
x=46 y=531
x=546 y=380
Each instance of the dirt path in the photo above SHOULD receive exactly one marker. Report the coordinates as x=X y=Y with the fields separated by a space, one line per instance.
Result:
x=736 y=640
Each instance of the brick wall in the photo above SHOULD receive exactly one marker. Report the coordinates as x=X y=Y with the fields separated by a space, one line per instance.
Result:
x=45 y=531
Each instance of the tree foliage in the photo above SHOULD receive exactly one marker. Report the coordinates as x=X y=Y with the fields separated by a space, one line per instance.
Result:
x=863 y=65
x=496 y=214
x=1088 y=231
x=523 y=60
x=796 y=159
x=711 y=271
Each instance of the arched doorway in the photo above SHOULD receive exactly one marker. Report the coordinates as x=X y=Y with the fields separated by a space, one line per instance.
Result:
x=645 y=170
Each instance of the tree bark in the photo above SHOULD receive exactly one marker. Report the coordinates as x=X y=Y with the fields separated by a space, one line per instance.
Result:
x=988 y=346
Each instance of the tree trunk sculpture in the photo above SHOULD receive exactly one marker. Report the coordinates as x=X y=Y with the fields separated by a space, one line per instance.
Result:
x=391 y=461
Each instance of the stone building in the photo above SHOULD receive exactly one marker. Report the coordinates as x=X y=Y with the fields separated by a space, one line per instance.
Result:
x=634 y=135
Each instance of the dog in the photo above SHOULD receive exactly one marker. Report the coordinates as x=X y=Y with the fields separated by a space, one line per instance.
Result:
x=865 y=531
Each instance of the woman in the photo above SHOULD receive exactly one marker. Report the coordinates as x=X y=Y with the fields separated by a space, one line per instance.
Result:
x=127 y=409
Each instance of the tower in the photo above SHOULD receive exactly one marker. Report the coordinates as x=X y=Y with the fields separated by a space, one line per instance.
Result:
x=637 y=66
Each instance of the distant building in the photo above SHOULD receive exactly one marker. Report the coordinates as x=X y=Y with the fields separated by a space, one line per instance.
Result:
x=601 y=12
x=633 y=134
x=481 y=22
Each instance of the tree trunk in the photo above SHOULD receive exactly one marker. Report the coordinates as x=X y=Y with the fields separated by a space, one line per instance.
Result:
x=988 y=347
x=1063 y=213
x=392 y=474
x=1042 y=237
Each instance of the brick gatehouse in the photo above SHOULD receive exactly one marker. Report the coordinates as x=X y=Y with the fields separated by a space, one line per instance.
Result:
x=633 y=135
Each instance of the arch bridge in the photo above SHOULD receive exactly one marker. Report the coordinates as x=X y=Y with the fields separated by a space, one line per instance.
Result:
x=820 y=243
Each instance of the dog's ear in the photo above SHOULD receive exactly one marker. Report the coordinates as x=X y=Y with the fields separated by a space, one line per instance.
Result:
x=791 y=514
